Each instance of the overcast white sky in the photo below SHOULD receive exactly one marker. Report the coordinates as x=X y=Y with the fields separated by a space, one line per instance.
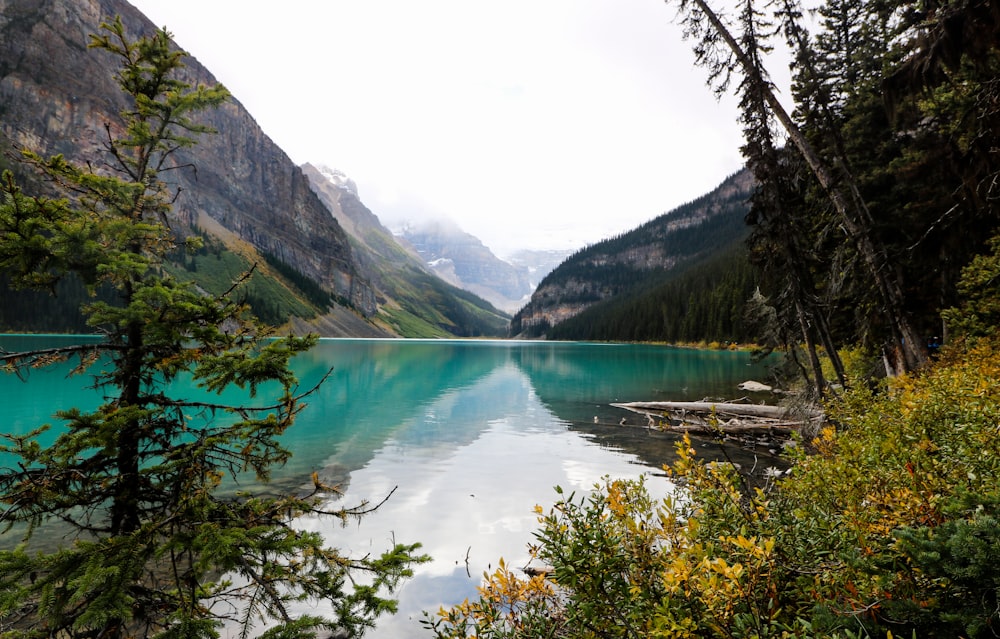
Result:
x=530 y=123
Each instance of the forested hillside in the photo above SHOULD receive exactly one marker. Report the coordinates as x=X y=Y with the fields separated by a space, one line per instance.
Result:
x=601 y=280
x=871 y=194
x=704 y=301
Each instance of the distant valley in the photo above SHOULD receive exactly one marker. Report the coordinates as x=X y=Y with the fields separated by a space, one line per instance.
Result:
x=322 y=260
x=461 y=259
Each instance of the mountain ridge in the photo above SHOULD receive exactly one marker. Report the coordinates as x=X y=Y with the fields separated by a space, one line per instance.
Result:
x=642 y=258
x=460 y=258
x=403 y=283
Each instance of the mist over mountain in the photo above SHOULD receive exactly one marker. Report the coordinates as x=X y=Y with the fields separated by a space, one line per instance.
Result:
x=412 y=299
x=463 y=260
x=537 y=262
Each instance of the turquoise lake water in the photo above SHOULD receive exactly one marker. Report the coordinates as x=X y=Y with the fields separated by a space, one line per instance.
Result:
x=471 y=434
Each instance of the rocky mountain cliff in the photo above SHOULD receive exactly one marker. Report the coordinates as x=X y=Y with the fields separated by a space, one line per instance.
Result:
x=56 y=96
x=644 y=257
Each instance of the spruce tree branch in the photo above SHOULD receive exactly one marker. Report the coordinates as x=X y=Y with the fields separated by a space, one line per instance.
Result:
x=356 y=511
x=123 y=164
x=244 y=277
x=267 y=587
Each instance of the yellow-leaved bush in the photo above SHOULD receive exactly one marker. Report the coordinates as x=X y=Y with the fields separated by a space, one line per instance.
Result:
x=886 y=525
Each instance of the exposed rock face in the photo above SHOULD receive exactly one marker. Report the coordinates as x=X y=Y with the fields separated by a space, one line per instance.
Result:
x=614 y=266
x=401 y=280
x=336 y=177
x=56 y=96
x=340 y=196
x=375 y=248
x=463 y=260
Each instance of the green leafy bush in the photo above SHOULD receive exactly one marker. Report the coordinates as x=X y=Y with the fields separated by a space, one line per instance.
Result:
x=886 y=527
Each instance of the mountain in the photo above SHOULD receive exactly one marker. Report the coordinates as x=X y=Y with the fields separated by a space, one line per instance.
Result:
x=236 y=187
x=463 y=260
x=411 y=299
x=537 y=263
x=613 y=278
x=57 y=97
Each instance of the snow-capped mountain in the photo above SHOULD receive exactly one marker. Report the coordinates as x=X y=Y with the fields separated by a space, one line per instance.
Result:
x=463 y=260
x=338 y=178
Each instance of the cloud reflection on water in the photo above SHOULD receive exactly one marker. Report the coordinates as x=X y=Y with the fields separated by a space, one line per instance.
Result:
x=474 y=433
x=472 y=497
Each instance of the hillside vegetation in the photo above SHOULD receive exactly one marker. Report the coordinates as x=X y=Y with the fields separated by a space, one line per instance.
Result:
x=594 y=293
x=703 y=301
x=271 y=295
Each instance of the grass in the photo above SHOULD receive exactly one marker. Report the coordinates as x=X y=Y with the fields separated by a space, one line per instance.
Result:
x=270 y=299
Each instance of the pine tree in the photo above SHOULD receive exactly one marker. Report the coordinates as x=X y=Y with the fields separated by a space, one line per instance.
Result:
x=726 y=56
x=152 y=546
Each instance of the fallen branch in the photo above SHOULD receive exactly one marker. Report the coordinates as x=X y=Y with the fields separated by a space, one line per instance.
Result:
x=724 y=417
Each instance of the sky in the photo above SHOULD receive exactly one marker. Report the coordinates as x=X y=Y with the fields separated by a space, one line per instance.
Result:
x=541 y=124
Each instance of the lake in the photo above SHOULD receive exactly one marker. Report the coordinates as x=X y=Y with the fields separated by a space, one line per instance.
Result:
x=470 y=433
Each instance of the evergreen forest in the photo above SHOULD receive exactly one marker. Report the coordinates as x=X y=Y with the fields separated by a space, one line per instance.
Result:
x=874 y=188
x=663 y=281
x=703 y=301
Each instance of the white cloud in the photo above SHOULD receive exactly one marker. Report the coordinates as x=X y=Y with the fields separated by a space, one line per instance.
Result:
x=537 y=123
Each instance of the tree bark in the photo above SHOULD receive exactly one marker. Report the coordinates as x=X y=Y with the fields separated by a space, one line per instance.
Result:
x=125 y=506
x=819 y=380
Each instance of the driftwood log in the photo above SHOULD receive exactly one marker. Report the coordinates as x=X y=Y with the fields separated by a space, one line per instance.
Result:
x=722 y=417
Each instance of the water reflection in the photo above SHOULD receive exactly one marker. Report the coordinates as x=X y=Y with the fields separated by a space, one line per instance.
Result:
x=575 y=379
x=474 y=434
x=376 y=388
x=469 y=467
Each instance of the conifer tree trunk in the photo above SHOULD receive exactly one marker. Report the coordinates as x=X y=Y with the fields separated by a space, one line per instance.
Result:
x=907 y=352
x=819 y=380
x=125 y=509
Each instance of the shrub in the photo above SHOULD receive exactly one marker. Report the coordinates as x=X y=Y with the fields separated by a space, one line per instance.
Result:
x=887 y=527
